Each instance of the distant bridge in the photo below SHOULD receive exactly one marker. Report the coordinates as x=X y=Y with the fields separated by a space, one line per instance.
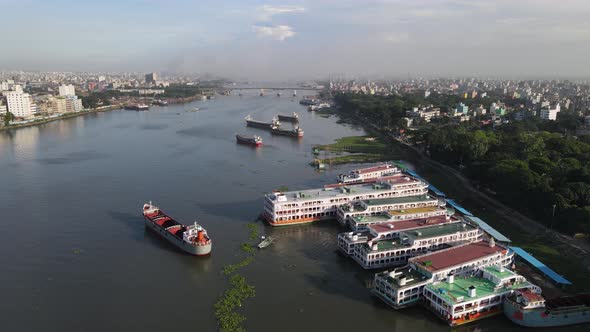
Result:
x=271 y=88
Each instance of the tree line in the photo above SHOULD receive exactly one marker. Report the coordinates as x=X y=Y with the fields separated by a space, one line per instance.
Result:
x=533 y=166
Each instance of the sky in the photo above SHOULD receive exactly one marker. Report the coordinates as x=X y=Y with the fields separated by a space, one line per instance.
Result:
x=280 y=40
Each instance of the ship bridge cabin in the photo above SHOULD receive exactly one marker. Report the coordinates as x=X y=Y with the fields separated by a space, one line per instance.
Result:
x=295 y=207
x=438 y=266
x=397 y=249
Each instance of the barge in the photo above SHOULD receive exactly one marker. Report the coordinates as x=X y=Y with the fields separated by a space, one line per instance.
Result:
x=260 y=124
x=249 y=140
x=295 y=132
x=137 y=107
x=526 y=308
x=289 y=118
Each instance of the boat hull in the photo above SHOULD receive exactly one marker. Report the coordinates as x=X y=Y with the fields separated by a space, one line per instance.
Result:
x=248 y=141
x=197 y=250
x=288 y=118
x=256 y=124
x=300 y=221
x=288 y=133
x=541 y=317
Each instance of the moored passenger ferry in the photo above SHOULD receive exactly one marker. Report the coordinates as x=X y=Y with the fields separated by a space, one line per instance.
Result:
x=192 y=239
x=305 y=206
x=368 y=174
x=461 y=300
x=404 y=286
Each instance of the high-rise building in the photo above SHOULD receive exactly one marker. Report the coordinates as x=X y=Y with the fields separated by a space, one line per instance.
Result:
x=20 y=104
x=67 y=90
x=550 y=114
x=151 y=78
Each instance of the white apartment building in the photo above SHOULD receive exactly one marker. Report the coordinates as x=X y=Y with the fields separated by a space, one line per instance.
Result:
x=67 y=90
x=550 y=114
x=20 y=104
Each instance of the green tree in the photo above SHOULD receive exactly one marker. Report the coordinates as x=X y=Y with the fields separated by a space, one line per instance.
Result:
x=7 y=118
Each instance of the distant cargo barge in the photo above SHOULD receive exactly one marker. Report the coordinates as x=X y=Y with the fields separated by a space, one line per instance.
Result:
x=295 y=132
x=253 y=140
x=260 y=124
x=289 y=118
x=137 y=107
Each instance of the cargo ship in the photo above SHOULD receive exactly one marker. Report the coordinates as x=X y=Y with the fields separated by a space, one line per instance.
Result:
x=529 y=309
x=252 y=140
x=289 y=118
x=260 y=124
x=137 y=107
x=192 y=239
x=295 y=132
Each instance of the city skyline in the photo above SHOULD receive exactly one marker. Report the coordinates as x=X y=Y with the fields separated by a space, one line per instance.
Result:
x=301 y=39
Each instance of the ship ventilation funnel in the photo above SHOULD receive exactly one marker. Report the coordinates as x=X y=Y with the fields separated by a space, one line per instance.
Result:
x=472 y=291
x=451 y=278
x=492 y=242
x=402 y=281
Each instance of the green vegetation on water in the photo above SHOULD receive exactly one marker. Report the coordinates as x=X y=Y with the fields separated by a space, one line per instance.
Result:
x=253 y=227
x=225 y=309
x=228 y=318
x=359 y=149
x=356 y=144
x=230 y=269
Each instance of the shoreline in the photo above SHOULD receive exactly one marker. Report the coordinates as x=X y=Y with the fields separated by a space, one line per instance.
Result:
x=508 y=217
x=61 y=117
x=90 y=111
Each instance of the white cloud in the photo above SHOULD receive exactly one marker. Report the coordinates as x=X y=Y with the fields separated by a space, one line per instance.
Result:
x=268 y=11
x=277 y=32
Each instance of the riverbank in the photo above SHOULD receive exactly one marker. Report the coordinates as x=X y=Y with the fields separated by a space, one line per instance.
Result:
x=95 y=110
x=61 y=117
x=567 y=255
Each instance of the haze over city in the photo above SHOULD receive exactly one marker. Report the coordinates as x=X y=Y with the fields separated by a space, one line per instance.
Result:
x=273 y=40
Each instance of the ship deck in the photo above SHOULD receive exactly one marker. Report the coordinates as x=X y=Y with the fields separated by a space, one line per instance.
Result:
x=344 y=191
x=456 y=255
x=569 y=301
x=459 y=289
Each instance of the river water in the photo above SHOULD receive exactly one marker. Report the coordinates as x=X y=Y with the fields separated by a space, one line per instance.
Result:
x=77 y=257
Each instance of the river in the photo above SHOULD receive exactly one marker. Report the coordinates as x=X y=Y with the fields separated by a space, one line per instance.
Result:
x=77 y=257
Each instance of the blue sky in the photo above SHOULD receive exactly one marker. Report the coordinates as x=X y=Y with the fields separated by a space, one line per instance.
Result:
x=297 y=39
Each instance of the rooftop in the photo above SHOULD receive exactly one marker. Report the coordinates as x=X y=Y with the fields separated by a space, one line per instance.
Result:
x=361 y=219
x=456 y=255
x=438 y=230
x=323 y=193
x=458 y=291
x=458 y=208
x=414 y=210
x=494 y=270
x=398 y=200
x=403 y=225
x=539 y=265
x=412 y=276
x=488 y=229
x=376 y=168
